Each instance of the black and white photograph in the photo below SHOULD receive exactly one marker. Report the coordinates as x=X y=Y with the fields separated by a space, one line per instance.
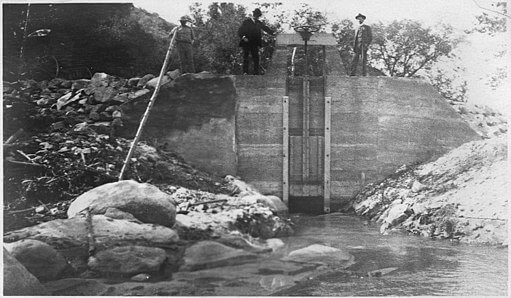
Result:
x=244 y=148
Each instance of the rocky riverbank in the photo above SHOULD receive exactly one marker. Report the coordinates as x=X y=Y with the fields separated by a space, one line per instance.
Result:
x=134 y=232
x=461 y=196
x=69 y=224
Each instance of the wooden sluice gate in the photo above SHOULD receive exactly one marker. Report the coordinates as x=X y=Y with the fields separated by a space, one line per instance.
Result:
x=306 y=127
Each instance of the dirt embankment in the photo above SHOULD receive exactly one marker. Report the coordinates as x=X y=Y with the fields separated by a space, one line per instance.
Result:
x=462 y=195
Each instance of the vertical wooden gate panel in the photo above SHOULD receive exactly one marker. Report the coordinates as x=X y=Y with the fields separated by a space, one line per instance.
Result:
x=306 y=136
x=295 y=94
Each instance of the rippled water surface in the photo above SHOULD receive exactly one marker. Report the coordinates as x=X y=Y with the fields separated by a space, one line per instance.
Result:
x=422 y=266
x=393 y=265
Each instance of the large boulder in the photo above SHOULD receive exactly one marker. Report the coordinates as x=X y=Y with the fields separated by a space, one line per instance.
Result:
x=210 y=254
x=146 y=202
x=131 y=260
x=118 y=214
x=40 y=259
x=237 y=186
x=18 y=281
x=322 y=254
x=104 y=86
x=275 y=244
x=143 y=81
x=133 y=82
x=152 y=83
x=140 y=94
x=67 y=234
x=397 y=213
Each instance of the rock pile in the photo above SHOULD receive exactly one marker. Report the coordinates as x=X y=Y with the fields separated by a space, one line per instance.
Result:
x=461 y=196
x=61 y=141
x=487 y=122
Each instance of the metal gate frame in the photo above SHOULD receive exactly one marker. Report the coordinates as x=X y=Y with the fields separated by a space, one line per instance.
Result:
x=326 y=153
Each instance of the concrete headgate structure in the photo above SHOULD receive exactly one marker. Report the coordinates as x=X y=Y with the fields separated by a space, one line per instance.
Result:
x=314 y=141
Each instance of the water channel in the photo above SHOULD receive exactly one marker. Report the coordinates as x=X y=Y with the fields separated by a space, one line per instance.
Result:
x=410 y=266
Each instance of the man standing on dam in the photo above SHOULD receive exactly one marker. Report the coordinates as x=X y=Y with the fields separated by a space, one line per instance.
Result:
x=250 y=39
x=184 y=40
x=363 y=38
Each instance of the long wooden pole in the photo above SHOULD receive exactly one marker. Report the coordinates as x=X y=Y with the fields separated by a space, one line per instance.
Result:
x=148 y=110
x=21 y=66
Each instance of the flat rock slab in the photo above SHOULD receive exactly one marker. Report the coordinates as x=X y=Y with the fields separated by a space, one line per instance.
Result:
x=40 y=259
x=322 y=254
x=128 y=260
x=18 y=281
x=210 y=254
x=72 y=233
x=76 y=287
x=146 y=202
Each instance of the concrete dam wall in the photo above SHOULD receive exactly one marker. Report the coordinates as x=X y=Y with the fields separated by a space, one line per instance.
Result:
x=313 y=141
x=234 y=125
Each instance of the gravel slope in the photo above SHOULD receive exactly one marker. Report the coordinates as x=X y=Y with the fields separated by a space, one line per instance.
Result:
x=462 y=195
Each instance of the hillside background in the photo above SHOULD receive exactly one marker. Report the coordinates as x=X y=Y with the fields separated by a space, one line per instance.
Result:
x=85 y=38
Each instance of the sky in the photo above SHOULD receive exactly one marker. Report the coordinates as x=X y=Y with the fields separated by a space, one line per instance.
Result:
x=459 y=13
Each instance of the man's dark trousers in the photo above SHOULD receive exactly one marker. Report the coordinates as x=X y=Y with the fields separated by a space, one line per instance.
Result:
x=185 y=53
x=359 y=52
x=254 y=52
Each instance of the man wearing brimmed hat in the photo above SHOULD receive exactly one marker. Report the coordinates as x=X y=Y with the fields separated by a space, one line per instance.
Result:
x=363 y=38
x=250 y=39
x=184 y=39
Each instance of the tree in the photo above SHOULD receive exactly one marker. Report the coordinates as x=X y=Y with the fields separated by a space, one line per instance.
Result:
x=83 y=39
x=448 y=77
x=216 y=48
x=344 y=33
x=402 y=48
x=477 y=66
x=494 y=23
x=217 y=42
x=305 y=15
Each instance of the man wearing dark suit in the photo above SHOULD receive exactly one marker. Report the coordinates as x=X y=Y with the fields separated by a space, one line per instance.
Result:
x=363 y=38
x=250 y=39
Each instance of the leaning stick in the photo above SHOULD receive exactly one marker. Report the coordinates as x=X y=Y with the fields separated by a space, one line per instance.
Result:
x=148 y=110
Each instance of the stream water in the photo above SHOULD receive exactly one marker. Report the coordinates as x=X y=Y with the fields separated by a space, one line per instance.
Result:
x=424 y=266
x=410 y=266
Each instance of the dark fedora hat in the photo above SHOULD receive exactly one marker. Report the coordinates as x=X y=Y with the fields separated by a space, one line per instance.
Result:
x=360 y=16
x=258 y=12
